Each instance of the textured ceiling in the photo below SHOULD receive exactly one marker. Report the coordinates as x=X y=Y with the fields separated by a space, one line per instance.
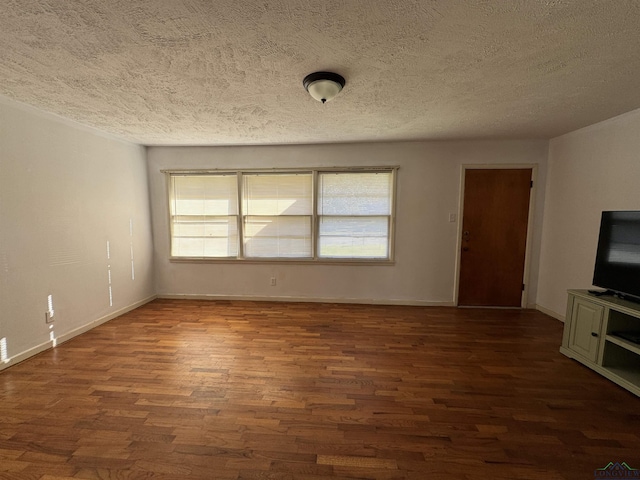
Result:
x=205 y=72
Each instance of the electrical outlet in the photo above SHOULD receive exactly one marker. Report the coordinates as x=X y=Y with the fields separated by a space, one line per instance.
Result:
x=273 y=281
x=48 y=318
x=452 y=217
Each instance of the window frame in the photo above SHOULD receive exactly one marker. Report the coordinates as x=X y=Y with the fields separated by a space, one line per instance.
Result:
x=315 y=219
x=170 y=191
x=244 y=199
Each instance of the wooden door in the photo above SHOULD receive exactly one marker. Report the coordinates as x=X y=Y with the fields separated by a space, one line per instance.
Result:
x=494 y=236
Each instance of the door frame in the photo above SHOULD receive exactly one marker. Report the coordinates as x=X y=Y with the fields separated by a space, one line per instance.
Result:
x=532 y=207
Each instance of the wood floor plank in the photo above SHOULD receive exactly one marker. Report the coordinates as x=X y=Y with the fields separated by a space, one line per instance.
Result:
x=230 y=390
x=353 y=461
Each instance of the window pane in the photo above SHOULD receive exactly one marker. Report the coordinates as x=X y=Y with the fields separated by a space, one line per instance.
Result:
x=205 y=226
x=278 y=210
x=203 y=247
x=204 y=218
x=355 y=193
x=216 y=237
x=278 y=194
x=205 y=195
x=354 y=237
x=277 y=236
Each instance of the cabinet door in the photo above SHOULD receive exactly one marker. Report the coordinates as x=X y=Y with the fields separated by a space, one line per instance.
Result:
x=586 y=324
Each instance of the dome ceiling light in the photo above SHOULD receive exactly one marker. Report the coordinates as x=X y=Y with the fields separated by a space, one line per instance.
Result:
x=323 y=86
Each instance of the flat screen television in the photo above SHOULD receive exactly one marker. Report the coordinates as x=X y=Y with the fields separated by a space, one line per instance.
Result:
x=618 y=256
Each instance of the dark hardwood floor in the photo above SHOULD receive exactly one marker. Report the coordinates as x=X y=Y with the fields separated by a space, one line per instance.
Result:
x=250 y=390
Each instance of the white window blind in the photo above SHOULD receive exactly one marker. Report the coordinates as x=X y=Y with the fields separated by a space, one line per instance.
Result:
x=355 y=211
x=277 y=215
x=204 y=215
x=331 y=215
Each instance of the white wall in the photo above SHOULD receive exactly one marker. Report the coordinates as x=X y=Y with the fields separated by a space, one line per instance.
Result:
x=428 y=190
x=64 y=192
x=590 y=170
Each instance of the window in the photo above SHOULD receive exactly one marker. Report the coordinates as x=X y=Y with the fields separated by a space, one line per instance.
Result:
x=316 y=215
x=354 y=210
x=204 y=216
x=277 y=213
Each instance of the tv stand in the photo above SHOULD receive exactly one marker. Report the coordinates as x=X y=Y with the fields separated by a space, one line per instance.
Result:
x=591 y=336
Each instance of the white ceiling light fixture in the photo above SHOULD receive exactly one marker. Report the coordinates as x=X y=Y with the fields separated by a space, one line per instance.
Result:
x=323 y=86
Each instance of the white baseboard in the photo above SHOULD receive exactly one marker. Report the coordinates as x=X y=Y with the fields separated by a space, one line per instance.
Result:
x=20 y=357
x=252 y=298
x=551 y=313
x=85 y=328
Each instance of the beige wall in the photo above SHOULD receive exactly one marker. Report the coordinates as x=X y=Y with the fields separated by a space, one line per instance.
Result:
x=428 y=190
x=590 y=170
x=64 y=192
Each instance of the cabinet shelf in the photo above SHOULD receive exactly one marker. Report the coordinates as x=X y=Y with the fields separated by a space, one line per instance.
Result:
x=630 y=375
x=624 y=343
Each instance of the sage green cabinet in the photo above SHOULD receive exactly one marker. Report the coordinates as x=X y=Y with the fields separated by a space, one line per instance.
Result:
x=594 y=334
x=585 y=328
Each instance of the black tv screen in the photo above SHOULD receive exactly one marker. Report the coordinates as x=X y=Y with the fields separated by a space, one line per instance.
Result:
x=618 y=255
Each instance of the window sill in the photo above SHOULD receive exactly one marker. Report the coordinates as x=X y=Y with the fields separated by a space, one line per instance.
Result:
x=284 y=261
